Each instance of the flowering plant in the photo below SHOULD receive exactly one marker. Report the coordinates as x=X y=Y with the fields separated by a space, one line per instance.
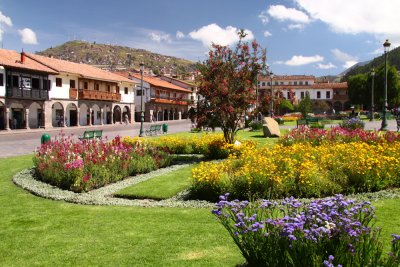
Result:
x=329 y=232
x=84 y=165
x=353 y=123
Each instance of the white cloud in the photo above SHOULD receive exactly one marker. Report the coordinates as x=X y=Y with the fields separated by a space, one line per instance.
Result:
x=158 y=37
x=326 y=66
x=347 y=59
x=349 y=64
x=267 y=34
x=5 y=20
x=264 y=17
x=356 y=16
x=283 y=13
x=180 y=35
x=301 y=60
x=28 y=36
x=213 y=33
x=296 y=26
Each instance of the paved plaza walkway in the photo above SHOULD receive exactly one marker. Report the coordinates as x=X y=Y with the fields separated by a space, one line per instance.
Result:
x=22 y=142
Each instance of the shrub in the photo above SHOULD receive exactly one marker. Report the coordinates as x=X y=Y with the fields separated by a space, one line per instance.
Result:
x=256 y=126
x=353 y=123
x=329 y=232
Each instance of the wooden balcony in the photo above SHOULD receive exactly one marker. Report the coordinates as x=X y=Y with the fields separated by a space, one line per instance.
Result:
x=97 y=95
x=174 y=101
x=73 y=93
x=340 y=98
x=33 y=94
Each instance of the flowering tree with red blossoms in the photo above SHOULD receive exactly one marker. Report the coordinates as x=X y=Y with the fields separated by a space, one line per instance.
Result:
x=227 y=82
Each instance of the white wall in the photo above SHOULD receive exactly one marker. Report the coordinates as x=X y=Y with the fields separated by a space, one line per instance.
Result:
x=3 y=88
x=63 y=91
x=127 y=98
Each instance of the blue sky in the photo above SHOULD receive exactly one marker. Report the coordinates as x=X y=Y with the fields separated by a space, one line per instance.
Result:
x=312 y=37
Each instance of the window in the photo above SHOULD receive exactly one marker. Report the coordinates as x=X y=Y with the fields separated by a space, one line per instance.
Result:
x=108 y=88
x=288 y=95
x=97 y=87
x=263 y=84
x=85 y=85
x=290 y=83
x=295 y=83
x=117 y=89
x=276 y=83
x=328 y=95
x=139 y=92
x=269 y=83
x=300 y=83
x=35 y=83
x=306 y=82
x=318 y=94
x=58 y=82
x=1 y=79
x=126 y=90
x=72 y=84
x=15 y=81
x=302 y=95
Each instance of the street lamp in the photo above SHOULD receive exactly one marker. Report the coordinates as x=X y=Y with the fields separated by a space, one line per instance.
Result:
x=372 y=95
x=141 y=134
x=257 y=84
x=271 y=102
x=386 y=46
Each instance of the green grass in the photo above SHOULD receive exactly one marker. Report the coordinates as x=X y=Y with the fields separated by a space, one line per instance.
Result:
x=42 y=232
x=160 y=187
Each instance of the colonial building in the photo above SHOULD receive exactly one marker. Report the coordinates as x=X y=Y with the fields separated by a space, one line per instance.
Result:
x=162 y=100
x=189 y=85
x=334 y=94
x=48 y=92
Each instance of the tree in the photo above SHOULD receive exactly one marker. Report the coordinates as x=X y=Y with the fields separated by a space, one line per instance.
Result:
x=359 y=88
x=227 y=81
x=305 y=106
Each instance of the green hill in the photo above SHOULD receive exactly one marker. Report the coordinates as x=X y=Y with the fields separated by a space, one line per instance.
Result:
x=114 y=57
x=393 y=59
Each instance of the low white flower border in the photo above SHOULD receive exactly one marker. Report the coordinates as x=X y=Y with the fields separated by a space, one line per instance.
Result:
x=104 y=195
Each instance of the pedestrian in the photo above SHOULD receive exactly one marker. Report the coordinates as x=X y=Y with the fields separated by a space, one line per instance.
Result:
x=126 y=118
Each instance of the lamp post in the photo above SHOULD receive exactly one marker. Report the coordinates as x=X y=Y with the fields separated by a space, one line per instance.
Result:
x=386 y=46
x=271 y=103
x=372 y=95
x=257 y=84
x=141 y=134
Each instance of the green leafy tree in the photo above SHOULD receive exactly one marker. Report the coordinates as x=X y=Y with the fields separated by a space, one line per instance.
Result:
x=227 y=81
x=305 y=105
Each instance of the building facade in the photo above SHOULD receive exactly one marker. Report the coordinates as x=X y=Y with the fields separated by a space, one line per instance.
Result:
x=297 y=86
x=42 y=92
x=162 y=100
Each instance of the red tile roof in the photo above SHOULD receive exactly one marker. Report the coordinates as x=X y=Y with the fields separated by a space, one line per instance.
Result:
x=85 y=70
x=157 y=82
x=10 y=58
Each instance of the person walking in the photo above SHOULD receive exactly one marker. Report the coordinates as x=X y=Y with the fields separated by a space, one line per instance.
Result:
x=126 y=118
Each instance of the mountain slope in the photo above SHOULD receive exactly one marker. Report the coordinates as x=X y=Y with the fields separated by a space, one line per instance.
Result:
x=393 y=59
x=114 y=57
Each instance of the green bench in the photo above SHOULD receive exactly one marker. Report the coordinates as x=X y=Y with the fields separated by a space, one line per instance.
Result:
x=88 y=135
x=311 y=122
x=154 y=129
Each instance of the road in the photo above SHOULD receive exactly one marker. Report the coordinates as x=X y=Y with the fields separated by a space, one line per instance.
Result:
x=22 y=142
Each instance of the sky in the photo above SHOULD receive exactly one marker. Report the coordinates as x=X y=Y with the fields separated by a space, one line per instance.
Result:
x=302 y=37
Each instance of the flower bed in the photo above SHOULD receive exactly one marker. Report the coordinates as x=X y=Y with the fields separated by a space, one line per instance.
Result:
x=328 y=232
x=336 y=135
x=301 y=170
x=85 y=165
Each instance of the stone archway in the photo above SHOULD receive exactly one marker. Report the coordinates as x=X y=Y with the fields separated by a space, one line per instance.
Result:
x=117 y=114
x=71 y=115
x=2 y=116
x=107 y=114
x=57 y=115
x=35 y=117
x=17 y=117
x=126 y=113
x=84 y=116
x=96 y=115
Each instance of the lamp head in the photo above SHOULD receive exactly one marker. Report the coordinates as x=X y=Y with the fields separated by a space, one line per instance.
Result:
x=386 y=45
x=373 y=72
x=141 y=66
x=271 y=75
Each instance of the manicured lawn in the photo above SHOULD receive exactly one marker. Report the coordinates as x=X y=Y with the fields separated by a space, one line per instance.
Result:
x=160 y=187
x=37 y=231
